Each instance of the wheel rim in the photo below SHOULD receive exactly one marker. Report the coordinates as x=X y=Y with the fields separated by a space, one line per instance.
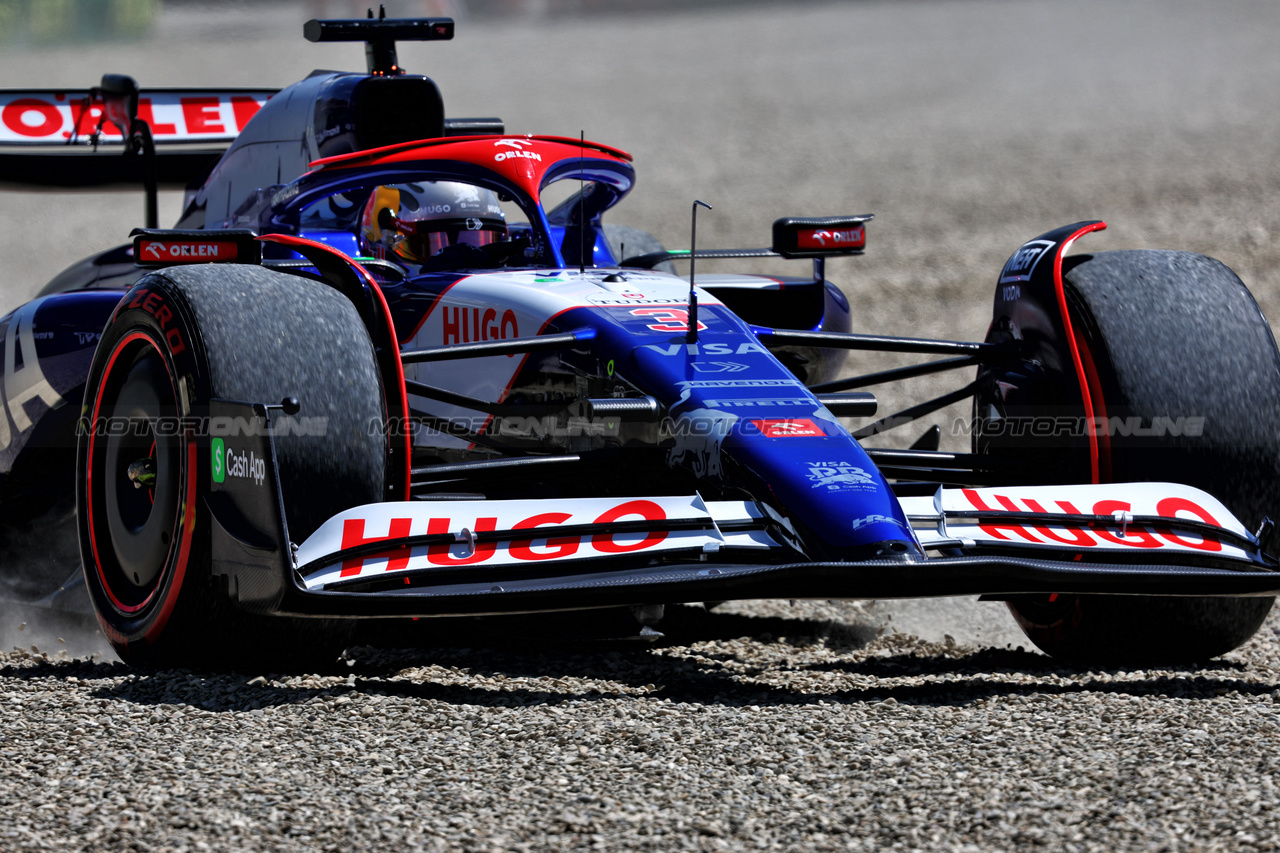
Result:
x=1048 y=617
x=134 y=526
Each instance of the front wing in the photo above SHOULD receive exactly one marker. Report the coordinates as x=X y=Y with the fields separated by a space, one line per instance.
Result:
x=454 y=558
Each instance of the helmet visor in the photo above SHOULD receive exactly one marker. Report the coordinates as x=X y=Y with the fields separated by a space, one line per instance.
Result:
x=425 y=239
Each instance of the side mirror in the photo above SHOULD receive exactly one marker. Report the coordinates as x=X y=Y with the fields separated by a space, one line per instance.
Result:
x=822 y=237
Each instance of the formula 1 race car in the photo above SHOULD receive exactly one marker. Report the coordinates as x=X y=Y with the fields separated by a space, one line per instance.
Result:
x=391 y=364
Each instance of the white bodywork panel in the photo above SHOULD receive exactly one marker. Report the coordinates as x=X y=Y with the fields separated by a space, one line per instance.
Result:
x=517 y=304
x=1119 y=501
x=540 y=518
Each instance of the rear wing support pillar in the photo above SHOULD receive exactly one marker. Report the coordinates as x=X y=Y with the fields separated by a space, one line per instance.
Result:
x=119 y=95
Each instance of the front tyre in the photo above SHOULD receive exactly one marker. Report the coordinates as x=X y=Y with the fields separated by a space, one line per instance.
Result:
x=179 y=339
x=139 y=485
x=1174 y=339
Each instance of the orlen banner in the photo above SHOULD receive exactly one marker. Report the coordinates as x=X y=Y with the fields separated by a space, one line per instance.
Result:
x=187 y=115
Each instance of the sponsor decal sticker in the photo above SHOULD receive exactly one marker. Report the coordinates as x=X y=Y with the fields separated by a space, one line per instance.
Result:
x=672 y=319
x=534 y=534
x=1120 y=504
x=719 y=367
x=1024 y=261
x=698 y=436
x=741 y=383
x=849 y=238
x=189 y=251
x=1133 y=536
x=245 y=466
x=635 y=299
x=859 y=523
x=754 y=403
x=217 y=464
x=687 y=387
x=24 y=381
x=152 y=303
x=788 y=428
x=839 y=476
x=172 y=116
x=705 y=349
x=516 y=150
x=473 y=325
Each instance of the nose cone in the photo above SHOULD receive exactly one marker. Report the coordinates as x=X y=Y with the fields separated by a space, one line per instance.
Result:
x=739 y=417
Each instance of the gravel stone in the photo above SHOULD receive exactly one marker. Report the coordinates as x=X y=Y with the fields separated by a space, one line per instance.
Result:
x=814 y=739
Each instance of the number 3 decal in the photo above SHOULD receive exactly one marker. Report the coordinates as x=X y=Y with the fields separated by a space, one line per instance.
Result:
x=677 y=319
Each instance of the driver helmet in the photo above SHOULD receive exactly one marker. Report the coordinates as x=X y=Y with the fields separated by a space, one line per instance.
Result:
x=416 y=221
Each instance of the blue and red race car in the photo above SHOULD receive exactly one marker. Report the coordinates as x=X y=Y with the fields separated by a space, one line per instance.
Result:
x=395 y=364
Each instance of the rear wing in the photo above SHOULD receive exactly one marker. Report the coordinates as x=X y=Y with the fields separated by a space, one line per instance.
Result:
x=74 y=138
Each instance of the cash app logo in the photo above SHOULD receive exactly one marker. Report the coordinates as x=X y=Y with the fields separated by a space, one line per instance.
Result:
x=218 y=465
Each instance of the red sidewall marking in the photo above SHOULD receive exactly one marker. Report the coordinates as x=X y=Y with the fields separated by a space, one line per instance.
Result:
x=188 y=510
x=187 y=524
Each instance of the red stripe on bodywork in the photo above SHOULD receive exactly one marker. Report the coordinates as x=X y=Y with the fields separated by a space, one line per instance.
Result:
x=426 y=315
x=385 y=309
x=1099 y=408
x=1081 y=375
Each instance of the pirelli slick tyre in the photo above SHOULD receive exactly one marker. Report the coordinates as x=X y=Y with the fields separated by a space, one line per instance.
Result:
x=180 y=338
x=1171 y=335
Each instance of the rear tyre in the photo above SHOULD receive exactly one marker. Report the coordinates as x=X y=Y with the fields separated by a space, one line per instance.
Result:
x=1172 y=335
x=180 y=338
